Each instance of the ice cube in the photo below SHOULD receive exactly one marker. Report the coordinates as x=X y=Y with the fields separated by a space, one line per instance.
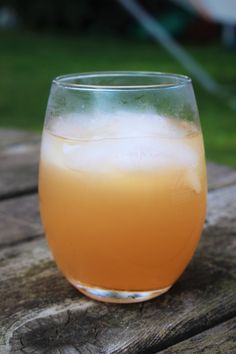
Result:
x=128 y=154
x=192 y=180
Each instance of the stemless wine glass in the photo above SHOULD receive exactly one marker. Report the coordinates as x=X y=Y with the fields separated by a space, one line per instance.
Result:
x=122 y=181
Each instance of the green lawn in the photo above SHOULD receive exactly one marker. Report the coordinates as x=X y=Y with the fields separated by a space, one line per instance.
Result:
x=29 y=61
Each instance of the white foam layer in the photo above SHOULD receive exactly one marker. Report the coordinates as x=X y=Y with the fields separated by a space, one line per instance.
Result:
x=119 y=124
x=123 y=143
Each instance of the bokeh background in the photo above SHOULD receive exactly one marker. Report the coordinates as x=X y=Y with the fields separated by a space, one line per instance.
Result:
x=43 y=39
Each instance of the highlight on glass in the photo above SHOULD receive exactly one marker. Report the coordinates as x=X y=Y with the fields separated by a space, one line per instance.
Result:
x=122 y=181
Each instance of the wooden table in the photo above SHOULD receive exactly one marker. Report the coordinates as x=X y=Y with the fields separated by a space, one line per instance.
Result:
x=41 y=313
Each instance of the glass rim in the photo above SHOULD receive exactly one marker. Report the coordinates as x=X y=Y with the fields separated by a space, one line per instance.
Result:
x=66 y=81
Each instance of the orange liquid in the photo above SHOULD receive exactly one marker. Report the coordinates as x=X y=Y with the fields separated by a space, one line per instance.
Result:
x=122 y=229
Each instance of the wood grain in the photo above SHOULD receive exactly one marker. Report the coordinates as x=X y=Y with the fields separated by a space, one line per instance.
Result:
x=41 y=313
x=220 y=339
x=19 y=155
x=19 y=220
x=220 y=176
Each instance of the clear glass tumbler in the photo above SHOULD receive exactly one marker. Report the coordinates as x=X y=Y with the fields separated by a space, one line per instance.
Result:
x=122 y=181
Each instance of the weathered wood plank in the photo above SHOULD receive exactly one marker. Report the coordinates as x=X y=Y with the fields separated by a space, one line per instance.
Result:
x=220 y=176
x=19 y=155
x=40 y=312
x=19 y=220
x=220 y=339
x=13 y=137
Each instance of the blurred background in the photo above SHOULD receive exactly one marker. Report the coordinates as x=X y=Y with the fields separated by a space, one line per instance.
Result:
x=43 y=39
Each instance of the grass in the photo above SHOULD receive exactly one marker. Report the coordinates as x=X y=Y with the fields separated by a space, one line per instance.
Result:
x=29 y=61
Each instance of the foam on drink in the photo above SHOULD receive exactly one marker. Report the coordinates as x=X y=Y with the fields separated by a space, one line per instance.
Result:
x=123 y=143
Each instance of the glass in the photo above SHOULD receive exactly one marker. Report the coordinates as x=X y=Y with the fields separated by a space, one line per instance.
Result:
x=122 y=181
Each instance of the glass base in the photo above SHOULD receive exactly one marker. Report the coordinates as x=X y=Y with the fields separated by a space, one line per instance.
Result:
x=116 y=296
